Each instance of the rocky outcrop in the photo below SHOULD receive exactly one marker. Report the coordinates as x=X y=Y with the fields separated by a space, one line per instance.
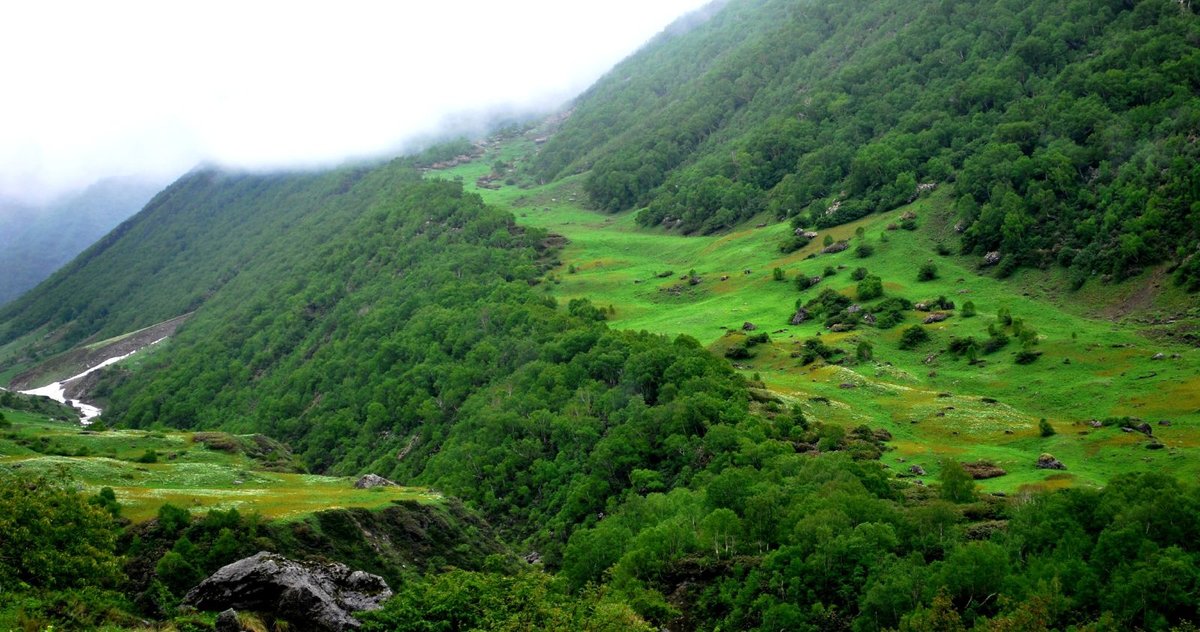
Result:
x=836 y=246
x=980 y=470
x=372 y=480
x=800 y=316
x=313 y=595
x=991 y=258
x=1048 y=462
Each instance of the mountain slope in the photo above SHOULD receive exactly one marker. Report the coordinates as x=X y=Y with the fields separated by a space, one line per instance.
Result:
x=1068 y=129
x=36 y=241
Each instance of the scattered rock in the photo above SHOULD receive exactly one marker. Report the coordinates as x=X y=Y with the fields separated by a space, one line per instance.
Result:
x=936 y=317
x=847 y=385
x=980 y=470
x=747 y=271
x=800 y=316
x=841 y=327
x=869 y=318
x=922 y=306
x=315 y=595
x=1144 y=428
x=533 y=557
x=1165 y=422
x=1154 y=445
x=836 y=246
x=763 y=225
x=749 y=326
x=724 y=277
x=917 y=469
x=931 y=358
x=907 y=215
x=227 y=621
x=1096 y=423
x=991 y=258
x=854 y=309
x=1048 y=462
x=1158 y=356
x=372 y=480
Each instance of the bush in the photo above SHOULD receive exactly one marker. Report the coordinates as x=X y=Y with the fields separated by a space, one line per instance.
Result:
x=968 y=309
x=1027 y=357
x=864 y=352
x=149 y=456
x=829 y=271
x=913 y=337
x=862 y=251
x=777 y=274
x=927 y=272
x=859 y=274
x=1045 y=429
x=792 y=244
x=869 y=288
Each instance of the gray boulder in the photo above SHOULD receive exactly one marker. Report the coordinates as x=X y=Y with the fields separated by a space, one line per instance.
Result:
x=372 y=480
x=1048 y=462
x=317 y=596
x=227 y=621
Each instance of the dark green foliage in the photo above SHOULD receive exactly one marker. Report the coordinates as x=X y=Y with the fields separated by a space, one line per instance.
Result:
x=1045 y=429
x=968 y=309
x=793 y=243
x=1026 y=356
x=149 y=456
x=461 y=600
x=777 y=274
x=956 y=484
x=1066 y=132
x=927 y=272
x=995 y=342
x=859 y=274
x=864 y=250
x=870 y=288
x=912 y=337
x=864 y=352
x=53 y=538
x=890 y=311
x=828 y=303
x=813 y=348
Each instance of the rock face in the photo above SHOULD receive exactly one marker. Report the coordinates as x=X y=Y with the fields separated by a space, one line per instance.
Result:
x=315 y=596
x=1048 y=462
x=372 y=480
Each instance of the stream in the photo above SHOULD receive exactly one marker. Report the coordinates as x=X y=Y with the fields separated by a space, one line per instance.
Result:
x=57 y=390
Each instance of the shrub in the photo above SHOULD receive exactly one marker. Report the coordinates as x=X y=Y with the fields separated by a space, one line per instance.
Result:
x=864 y=351
x=859 y=274
x=862 y=251
x=792 y=244
x=1045 y=429
x=149 y=456
x=927 y=272
x=913 y=337
x=828 y=241
x=968 y=309
x=869 y=288
x=1027 y=357
x=829 y=271
x=777 y=274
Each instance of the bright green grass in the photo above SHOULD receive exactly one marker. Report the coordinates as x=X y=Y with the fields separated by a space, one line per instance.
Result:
x=188 y=474
x=616 y=263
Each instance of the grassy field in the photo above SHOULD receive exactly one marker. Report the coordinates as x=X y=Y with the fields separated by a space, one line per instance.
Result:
x=187 y=473
x=1098 y=344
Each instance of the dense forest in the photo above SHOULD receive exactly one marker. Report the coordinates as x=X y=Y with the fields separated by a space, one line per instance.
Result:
x=1066 y=129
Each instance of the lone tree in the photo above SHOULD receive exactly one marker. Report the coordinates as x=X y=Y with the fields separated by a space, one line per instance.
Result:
x=1045 y=428
x=957 y=484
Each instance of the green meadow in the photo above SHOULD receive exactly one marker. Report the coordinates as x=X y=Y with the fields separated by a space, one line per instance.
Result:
x=186 y=472
x=1097 y=361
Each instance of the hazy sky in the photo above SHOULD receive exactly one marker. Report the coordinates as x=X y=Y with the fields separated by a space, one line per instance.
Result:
x=93 y=89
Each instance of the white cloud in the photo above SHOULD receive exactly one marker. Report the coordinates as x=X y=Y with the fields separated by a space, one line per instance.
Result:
x=93 y=89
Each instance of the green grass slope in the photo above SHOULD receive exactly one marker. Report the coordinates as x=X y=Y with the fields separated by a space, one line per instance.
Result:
x=1097 y=345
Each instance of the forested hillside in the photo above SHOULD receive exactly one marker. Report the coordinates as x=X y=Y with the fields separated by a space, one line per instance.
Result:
x=35 y=241
x=1067 y=129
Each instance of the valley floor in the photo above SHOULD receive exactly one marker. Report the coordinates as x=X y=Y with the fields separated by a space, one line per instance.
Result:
x=1096 y=362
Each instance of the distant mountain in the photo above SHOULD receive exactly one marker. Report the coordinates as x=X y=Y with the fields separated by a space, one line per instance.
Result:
x=37 y=240
x=1066 y=129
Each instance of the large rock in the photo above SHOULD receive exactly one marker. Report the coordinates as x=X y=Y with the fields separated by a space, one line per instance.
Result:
x=315 y=596
x=372 y=480
x=1048 y=462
